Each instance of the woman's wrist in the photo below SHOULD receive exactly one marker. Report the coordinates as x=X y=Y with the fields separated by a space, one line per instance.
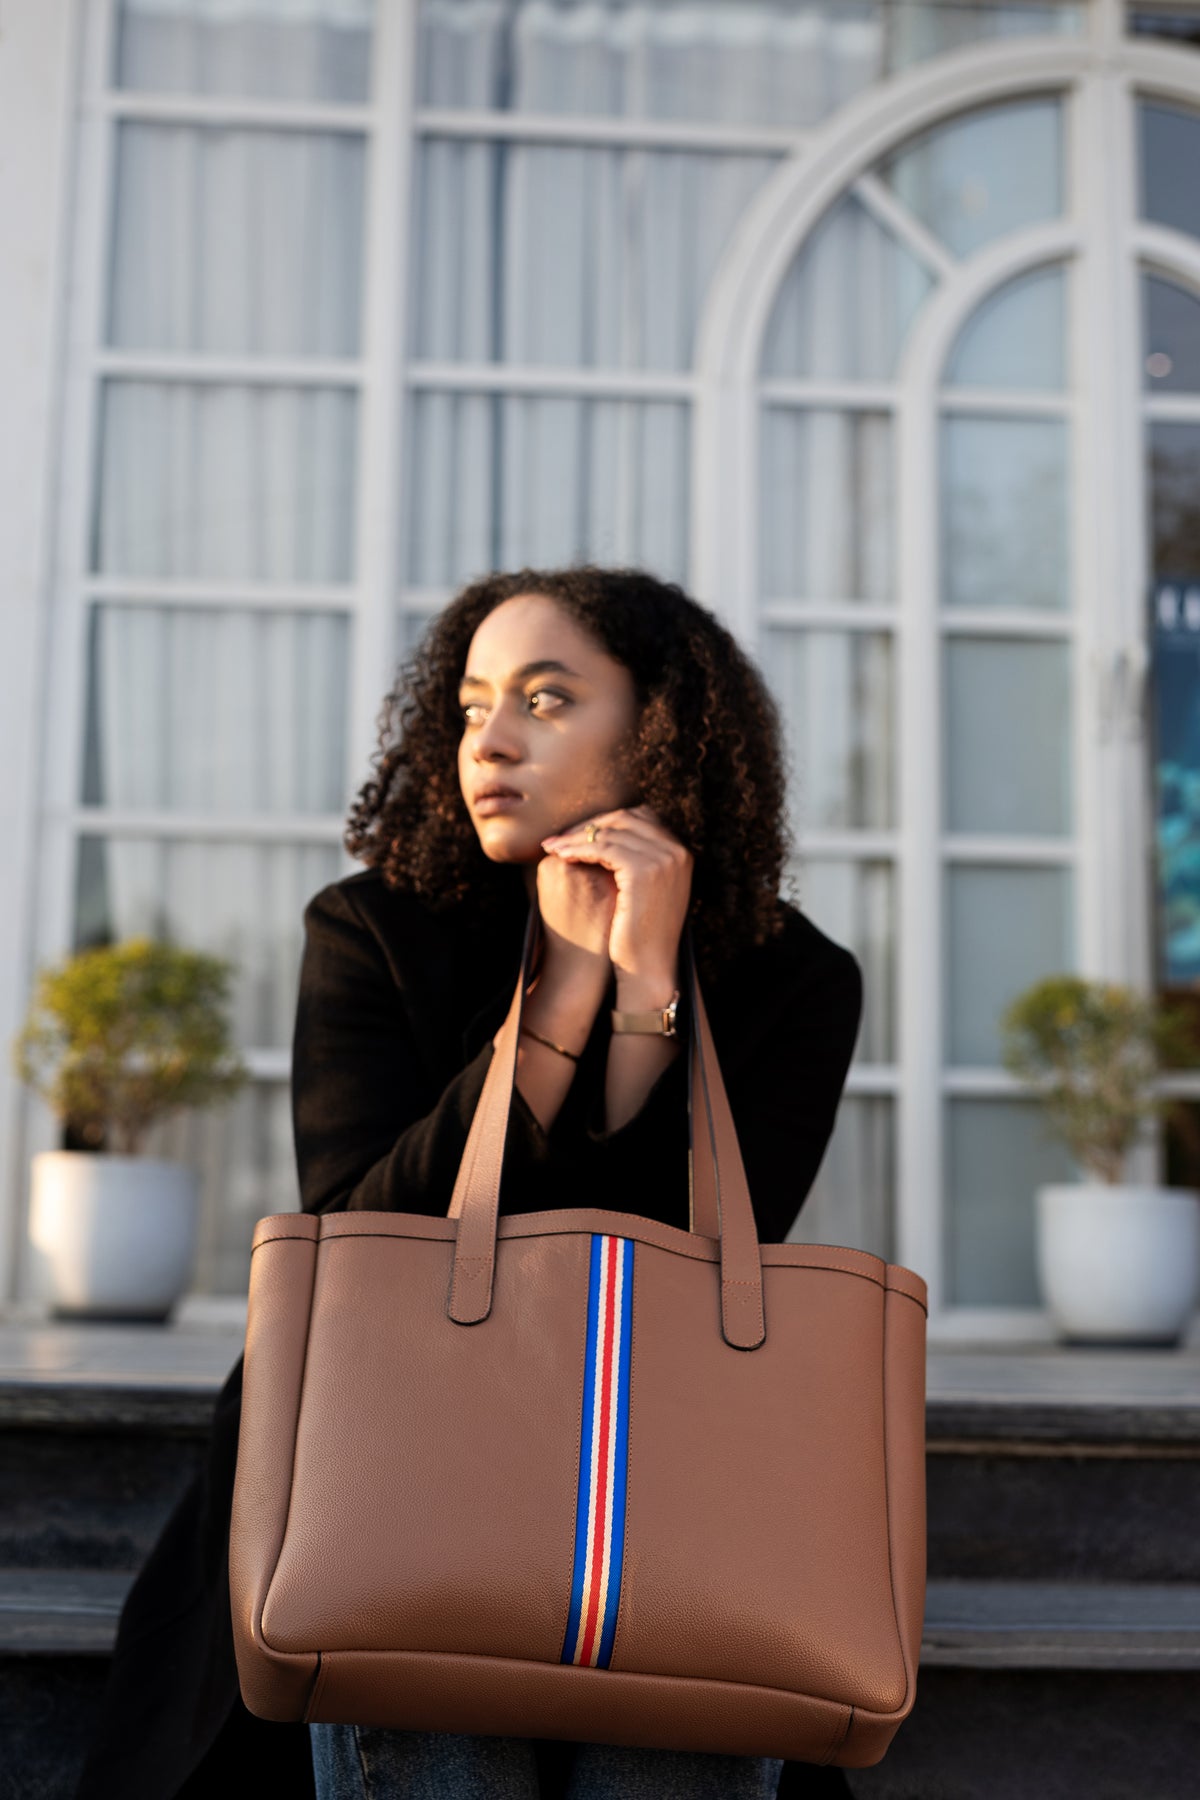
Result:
x=646 y=992
x=563 y=1008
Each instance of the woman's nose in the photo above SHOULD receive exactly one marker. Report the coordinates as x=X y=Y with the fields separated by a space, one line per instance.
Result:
x=497 y=736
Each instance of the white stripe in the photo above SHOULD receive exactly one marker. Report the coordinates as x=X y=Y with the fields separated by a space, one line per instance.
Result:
x=594 y=1447
x=615 y=1369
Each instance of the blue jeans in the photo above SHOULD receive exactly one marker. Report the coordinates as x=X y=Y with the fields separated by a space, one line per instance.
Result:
x=361 y=1762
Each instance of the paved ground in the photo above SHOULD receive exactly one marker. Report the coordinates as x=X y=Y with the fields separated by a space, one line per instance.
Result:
x=197 y=1352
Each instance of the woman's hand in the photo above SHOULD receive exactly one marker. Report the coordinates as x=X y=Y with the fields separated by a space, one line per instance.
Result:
x=576 y=905
x=651 y=877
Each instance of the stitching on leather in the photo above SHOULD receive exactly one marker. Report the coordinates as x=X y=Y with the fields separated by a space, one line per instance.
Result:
x=312 y=1294
x=905 y=1295
x=315 y=1692
x=839 y=1737
x=887 y=1503
x=531 y=1662
x=470 y=1274
x=329 y=1237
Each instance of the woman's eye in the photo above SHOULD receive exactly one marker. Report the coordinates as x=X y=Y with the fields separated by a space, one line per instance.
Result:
x=474 y=710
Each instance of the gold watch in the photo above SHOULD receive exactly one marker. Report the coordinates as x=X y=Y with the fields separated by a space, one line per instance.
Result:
x=660 y=1021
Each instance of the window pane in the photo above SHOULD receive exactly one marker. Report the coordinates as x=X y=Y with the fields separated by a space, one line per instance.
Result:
x=1007 y=763
x=208 y=709
x=1181 y=23
x=836 y=691
x=847 y=301
x=1170 y=338
x=221 y=481
x=569 y=256
x=245 y=242
x=1170 y=155
x=1174 y=481
x=1004 y=513
x=853 y=900
x=1005 y=928
x=284 y=49
x=790 y=62
x=852 y=1200
x=240 y=900
x=1175 y=640
x=924 y=28
x=827 y=505
x=504 y=481
x=997 y=1156
x=1016 y=339
x=246 y=1159
x=984 y=174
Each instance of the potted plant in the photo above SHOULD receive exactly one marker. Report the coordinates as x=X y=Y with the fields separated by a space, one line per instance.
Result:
x=116 y=1038
x=1117 y=1262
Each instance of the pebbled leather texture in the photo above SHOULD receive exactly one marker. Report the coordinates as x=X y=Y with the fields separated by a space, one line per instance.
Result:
x=410 y=1469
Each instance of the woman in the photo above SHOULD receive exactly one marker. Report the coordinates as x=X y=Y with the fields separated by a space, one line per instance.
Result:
x=594 y=742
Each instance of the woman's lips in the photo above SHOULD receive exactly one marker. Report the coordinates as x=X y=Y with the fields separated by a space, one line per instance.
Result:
x=498 y=803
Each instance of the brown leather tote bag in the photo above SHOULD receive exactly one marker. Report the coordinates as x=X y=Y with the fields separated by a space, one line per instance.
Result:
x=577 y=1474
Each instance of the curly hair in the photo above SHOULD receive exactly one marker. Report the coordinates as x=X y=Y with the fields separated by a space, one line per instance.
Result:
x=706 y=753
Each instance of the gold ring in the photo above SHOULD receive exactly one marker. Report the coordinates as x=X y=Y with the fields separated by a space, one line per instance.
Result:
x=592 y=829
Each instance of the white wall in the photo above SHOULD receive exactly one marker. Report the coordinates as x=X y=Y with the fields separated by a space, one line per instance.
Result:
x=38 y=48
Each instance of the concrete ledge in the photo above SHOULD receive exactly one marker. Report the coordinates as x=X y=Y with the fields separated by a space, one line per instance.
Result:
x=968 y=1624
x=60 y=1612
x=1062 y=1625
x=166 y=1377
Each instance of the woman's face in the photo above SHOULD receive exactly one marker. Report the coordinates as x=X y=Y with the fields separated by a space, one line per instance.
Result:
x=545 y=711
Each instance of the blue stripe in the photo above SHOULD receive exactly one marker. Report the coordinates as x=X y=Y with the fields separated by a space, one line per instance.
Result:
x=583 y=1491
x=620 y=1458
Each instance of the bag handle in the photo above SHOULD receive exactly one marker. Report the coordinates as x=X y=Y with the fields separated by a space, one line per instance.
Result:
x=719 y=1198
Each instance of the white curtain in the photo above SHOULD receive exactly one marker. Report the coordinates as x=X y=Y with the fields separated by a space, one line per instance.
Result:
x=239 y=242
x=236 y=241
x=249 y=242
x=246 y=710
x=281 y=49
x=728 y=61
x=846 y=304
x=580 y=259
x=224 y=483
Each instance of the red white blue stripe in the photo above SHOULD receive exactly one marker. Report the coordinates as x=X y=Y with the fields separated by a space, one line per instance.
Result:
x=603 y=1456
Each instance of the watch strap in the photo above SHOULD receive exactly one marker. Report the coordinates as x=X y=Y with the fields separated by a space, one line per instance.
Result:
x=659 y=1021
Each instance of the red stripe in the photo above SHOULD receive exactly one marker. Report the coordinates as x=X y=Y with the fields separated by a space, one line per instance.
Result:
x=609 y=1274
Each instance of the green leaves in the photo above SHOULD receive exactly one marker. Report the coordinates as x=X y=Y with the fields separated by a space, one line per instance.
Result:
x=1094 y=1050
x=120 y=1035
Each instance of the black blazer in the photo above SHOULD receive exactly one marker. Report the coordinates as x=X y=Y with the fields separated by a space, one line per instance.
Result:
x=394 y=1021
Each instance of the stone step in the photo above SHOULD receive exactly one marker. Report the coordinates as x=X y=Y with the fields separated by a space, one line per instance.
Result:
x=94 y=1498
x=60 y=1612
x=1061 y=1625
x=968 y=1624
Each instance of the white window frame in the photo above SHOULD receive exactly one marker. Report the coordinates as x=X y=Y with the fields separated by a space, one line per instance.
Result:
x=1099 y=72
x=98 y=109
x=1099 y=75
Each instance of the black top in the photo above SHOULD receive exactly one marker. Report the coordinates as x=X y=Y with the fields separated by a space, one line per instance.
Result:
x=396 y=1011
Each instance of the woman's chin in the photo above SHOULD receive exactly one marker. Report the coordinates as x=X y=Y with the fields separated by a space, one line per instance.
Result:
x=507 y=846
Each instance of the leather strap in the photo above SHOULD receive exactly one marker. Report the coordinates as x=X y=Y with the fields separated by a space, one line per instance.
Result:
x=719 y=1198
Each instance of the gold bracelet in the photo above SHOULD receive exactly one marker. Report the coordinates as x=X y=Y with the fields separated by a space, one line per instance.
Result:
x=550 y=1045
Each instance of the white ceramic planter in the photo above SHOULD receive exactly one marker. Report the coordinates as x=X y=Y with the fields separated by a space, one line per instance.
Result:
x=115 y=1235
x=1119 y=1264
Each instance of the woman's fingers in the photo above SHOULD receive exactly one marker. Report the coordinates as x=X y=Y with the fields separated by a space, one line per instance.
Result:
x=634 y=824
x=652 y=872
